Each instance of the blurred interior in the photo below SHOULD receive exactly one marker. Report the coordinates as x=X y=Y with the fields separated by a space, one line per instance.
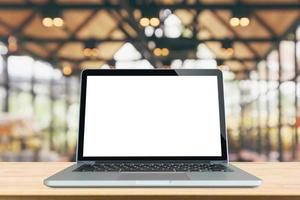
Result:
x=45 y=45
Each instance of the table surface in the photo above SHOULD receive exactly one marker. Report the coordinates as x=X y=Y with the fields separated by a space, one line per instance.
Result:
x=26 y=179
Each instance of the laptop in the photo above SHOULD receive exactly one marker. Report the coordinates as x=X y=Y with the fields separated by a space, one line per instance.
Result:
x=152 y=128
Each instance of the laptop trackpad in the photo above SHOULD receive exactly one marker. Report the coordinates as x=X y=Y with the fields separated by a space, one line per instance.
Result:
x=153 y=176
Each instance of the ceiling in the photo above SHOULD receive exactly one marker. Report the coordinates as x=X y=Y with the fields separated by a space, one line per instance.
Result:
x=112 y=23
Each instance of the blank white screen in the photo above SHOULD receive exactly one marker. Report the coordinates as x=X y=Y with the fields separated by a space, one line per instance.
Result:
x=152 y=116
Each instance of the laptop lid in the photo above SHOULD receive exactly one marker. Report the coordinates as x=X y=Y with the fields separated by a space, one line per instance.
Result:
x=154 y=115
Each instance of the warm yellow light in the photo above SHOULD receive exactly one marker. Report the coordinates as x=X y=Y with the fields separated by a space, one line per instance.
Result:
x=57 y=21
x=87 y=52
x=47 y=22
x=165 y=52
x=144 y=21
x=187 y=33
x=12 y=44
x=67 y=70
x=224 y=67
x=157 y=52
x=244 y=21
x=234 y=21
x=12 y=47
x=154 y=21
x=94 y=52
x=229 y=51
x=12 y=40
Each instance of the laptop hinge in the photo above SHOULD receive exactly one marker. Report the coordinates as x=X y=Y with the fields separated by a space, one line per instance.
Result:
x=86 y=162
x=219 y=162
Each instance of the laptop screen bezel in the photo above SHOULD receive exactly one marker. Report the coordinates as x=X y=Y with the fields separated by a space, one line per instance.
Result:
x=151 y=72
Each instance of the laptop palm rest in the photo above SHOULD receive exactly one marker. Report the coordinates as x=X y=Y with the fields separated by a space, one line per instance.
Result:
x=153 y=176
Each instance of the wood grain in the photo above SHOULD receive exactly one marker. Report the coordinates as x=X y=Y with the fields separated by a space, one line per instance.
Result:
x=25 y=181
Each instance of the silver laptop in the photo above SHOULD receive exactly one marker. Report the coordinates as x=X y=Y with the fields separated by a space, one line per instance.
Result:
x=152 y=128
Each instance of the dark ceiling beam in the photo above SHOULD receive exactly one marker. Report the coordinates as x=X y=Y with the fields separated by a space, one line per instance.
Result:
x=23 y=48
x=158 y=40
x=264 y=25
x=74 y=33
x=19 y=30
x=241 y=61
x=7 y=26
x=236 y=35
x=195 y=24
x=23 y=24
x=27 y=52
x=79 y=60
x=195 y=6
x=138 y=45
x=284 y=36
x=140 y=34
x=61 y=6
x=117 y=17
x=225 y=6
x=252 y=50
x=165 y=59
x=291 y=29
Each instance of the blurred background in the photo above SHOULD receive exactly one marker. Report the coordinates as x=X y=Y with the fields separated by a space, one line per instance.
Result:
x=44 y=45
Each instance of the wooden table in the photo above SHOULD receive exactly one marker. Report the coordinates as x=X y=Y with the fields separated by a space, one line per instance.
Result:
x=25 y=181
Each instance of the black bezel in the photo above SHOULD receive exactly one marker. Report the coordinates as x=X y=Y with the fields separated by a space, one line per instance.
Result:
x=151 y=72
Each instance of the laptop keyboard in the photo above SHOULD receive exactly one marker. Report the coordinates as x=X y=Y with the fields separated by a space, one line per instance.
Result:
x=152 y=167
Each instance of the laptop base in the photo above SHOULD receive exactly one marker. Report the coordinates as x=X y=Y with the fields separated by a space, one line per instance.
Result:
x=235 y=178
